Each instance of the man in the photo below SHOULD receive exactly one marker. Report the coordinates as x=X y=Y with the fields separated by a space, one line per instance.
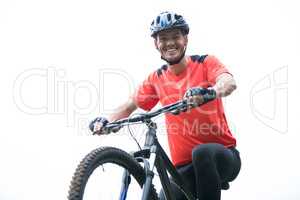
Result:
x=201 y=145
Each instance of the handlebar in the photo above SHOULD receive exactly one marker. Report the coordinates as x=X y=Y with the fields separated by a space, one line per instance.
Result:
x=182 y=105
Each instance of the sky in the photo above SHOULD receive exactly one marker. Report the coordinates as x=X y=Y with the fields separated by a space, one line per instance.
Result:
x=65 y=62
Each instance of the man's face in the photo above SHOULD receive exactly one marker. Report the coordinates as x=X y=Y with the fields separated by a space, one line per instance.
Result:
x=171 y=44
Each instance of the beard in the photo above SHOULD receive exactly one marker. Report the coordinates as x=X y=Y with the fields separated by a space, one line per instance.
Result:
x=176 y=60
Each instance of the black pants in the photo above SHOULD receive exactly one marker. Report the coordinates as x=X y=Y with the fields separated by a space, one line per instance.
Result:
x=212 y=167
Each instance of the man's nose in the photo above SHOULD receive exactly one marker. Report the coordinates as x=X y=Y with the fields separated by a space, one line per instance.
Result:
x=170 y=42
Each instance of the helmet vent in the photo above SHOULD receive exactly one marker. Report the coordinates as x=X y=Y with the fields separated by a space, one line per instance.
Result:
x=177 y=16
x=168 y=20
x=169 y=17
x=158 y=20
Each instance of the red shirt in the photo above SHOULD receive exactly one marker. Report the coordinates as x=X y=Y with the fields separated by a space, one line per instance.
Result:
x=205 y=124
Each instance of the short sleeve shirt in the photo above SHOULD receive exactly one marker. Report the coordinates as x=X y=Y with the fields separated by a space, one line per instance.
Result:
x=205 y=124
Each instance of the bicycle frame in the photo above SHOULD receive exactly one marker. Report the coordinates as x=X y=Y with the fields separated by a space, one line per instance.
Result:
x=153 y=155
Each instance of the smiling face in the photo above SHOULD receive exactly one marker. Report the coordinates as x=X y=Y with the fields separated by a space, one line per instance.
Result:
x=171 y=44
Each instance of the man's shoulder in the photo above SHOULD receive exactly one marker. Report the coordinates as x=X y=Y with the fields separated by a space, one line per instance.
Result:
x=161 y=70
x=156 y=74
x=194 y=58
x=198 y=58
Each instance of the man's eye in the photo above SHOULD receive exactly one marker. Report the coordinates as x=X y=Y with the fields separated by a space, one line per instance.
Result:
x=176 y=37
x=163 y=39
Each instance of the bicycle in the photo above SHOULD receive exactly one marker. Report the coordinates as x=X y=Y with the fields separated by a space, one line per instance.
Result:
x=151 y=155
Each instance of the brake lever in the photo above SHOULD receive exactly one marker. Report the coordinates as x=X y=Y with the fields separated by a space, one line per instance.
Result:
x=113 y=129
x=176 y=112
x=182 y=108
x=116 y=129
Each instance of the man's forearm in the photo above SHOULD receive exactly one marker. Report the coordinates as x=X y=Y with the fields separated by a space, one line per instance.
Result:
x=123 y=111
x=225 y=85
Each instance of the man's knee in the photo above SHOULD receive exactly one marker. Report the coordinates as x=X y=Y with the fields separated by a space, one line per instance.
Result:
x=204 y=153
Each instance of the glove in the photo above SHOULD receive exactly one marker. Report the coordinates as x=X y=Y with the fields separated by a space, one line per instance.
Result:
x=207 y=94
x=210 y=95
x=97 y=125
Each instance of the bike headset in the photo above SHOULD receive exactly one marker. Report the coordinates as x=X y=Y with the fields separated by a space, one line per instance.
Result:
x=166 y=21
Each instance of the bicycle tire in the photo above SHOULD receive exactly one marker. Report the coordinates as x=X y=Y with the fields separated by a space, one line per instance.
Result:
x=99 y=157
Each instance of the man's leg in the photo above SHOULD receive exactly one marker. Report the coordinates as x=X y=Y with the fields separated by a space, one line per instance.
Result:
x=213 y=164
x=188 y=175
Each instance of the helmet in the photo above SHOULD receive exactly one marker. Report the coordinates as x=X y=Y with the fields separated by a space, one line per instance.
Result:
x=168 y=20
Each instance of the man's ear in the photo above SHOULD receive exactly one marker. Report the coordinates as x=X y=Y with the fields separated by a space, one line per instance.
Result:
x=186 y=39
x=155 y=43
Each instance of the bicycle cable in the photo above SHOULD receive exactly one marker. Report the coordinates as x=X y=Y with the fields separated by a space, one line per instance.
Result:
x=131 y=134
x=130 y=130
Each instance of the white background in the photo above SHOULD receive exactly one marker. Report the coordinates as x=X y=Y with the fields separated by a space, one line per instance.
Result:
x=65 y=62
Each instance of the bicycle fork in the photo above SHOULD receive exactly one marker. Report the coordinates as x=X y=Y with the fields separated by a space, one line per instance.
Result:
x=126 y=179
x=149 y=167
x=125 y=184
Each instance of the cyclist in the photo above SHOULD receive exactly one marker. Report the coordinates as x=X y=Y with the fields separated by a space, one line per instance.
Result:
x=201 y=145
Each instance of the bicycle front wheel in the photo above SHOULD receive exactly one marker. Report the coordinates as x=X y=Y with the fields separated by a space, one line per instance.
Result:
x=100 y=175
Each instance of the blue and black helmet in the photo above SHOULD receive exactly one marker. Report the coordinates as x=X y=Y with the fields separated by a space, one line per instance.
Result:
x=168 y=20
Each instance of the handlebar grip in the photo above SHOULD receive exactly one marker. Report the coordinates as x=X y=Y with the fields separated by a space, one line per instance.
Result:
x=210 y=95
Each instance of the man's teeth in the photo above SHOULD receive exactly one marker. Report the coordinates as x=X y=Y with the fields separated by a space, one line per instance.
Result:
x=171 y=50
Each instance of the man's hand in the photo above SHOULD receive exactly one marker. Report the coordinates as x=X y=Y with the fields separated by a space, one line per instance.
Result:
x=97 y=126
x=199 y=95
x=225 y=85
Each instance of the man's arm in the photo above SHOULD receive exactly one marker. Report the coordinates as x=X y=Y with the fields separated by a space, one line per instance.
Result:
x=123 y=111
x=225 y=85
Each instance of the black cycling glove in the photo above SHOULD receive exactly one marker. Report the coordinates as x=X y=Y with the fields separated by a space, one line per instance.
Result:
x=102 y=120
x=207 y=93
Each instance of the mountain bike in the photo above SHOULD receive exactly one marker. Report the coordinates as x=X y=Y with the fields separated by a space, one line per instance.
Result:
x=138 y=166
